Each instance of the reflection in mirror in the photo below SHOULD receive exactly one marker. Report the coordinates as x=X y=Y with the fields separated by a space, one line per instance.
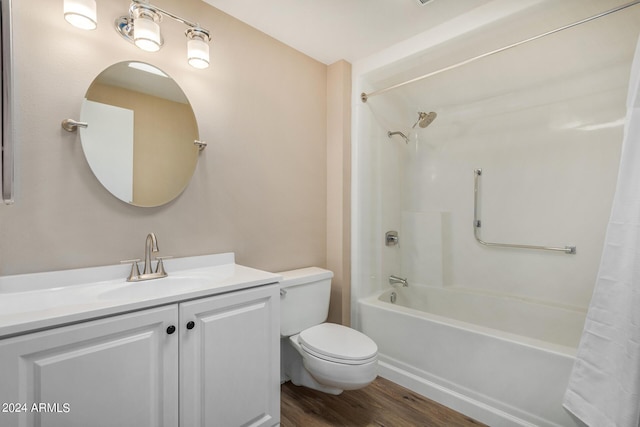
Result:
x=139 y=141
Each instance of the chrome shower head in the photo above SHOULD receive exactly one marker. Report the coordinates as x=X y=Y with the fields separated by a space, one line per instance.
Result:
x=425 y=119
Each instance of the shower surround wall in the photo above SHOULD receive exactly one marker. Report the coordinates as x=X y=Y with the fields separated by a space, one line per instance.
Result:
x=544 y=121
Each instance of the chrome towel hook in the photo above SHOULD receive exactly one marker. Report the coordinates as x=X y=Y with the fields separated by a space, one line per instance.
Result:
x=71 y=125
x=200 y=144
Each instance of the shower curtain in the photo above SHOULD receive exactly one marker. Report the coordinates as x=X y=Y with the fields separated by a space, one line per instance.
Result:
x=604 y=387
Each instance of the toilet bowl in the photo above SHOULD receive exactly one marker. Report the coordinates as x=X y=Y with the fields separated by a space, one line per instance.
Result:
x=323 y=356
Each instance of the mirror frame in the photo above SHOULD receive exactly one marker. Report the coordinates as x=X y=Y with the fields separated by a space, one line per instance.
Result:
x=6 y=106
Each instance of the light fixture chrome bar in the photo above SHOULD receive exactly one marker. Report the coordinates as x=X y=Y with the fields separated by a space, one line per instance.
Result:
x=365 y=96
x=141 y=27
x=172 y=15
x=477 y=224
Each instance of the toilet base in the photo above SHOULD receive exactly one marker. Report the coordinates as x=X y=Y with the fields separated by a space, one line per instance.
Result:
x=294 y=370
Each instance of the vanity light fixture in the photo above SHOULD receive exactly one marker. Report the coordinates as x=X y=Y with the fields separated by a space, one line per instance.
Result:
x=81 y=13
x=142 y=27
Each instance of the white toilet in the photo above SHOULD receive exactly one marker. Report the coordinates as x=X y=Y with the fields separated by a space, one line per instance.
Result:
x=322 y=356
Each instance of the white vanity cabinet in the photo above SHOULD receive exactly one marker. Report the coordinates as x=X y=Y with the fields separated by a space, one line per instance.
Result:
x=118 y=371
x=150 y=367
x=230 y=359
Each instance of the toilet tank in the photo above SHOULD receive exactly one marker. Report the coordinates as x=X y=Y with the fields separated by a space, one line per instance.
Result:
x=304 y=299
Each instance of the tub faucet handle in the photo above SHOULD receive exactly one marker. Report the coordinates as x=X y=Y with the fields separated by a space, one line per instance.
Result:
x=391 y=238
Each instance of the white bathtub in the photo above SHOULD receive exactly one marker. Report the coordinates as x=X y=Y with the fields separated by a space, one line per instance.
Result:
x=500 y=360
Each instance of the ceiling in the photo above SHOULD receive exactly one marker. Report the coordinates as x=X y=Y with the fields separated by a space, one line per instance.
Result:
x=331 y=30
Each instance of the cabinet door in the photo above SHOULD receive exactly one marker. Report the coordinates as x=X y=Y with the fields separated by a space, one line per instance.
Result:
x=118 y=371
x=230 y=359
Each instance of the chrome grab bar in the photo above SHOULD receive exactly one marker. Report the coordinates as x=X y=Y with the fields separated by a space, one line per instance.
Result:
x=477 y=224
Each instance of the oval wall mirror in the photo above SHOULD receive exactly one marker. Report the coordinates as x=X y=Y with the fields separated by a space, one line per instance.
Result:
x=139 y=139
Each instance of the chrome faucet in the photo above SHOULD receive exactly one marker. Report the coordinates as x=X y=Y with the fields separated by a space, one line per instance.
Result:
x=151 y=245
x=394 y=280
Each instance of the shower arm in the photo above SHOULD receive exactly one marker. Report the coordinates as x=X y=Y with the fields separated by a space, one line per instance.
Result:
x=571 y=250
x=405 y=137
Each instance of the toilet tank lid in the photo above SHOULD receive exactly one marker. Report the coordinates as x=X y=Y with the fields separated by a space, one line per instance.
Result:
x=303 y=275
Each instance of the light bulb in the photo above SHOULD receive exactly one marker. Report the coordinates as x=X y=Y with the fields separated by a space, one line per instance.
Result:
x=146 y=34
x=198 y=53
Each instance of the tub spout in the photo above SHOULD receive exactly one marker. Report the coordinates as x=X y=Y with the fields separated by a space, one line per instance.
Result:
x=394 y=280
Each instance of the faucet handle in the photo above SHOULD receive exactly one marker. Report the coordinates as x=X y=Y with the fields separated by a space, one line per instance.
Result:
x=135 y=271
x=160 y=265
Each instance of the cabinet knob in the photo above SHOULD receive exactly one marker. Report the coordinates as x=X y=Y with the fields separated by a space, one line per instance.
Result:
x=171 y=329
x=191 y=324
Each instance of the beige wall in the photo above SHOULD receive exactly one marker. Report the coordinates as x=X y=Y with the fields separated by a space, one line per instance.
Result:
x=259 y=189
x=338 y=188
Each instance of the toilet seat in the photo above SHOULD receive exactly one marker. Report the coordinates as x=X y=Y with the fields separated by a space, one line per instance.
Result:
x=338 y=344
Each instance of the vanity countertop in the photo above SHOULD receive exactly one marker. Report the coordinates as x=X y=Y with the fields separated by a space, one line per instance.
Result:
x=38 y=301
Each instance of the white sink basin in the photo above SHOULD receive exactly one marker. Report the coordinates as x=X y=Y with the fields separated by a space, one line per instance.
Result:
x=154 y=288
x=42 y=300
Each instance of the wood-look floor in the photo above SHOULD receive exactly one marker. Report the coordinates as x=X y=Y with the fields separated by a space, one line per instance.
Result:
x=382 y=403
